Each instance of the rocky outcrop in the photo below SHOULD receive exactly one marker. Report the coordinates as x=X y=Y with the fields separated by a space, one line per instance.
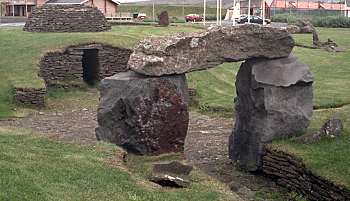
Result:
x=144 y=115
x=183 y=53
x=65 y=68
x=332 y=128
x=30 y=96
x=274 y=100
x=291 y=173
x=66 y=18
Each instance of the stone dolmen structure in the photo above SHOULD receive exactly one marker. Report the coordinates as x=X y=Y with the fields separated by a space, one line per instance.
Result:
x=66 y=18
x=145 y=110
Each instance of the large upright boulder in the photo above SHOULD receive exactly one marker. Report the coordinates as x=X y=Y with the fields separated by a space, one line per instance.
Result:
x=144 y=115
x=274 y=100
x=187 y=52
x=163 y=19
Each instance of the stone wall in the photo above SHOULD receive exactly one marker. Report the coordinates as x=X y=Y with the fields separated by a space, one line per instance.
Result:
x=66 y=18
x=290 y=172
x=30 y=96
x=62 y=67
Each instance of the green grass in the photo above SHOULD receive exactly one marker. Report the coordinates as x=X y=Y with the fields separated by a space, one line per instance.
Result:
x=36 y=168
x=21 y=51
x=329 y=157
x=215 y=88
x=331 y=71
x=173 y=11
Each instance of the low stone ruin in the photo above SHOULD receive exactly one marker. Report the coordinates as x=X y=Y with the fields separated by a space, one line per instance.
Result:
x=301 y=26
x=85 y=62
x=66 y=18
x=274 y=91
x=30 y=96
x=289 y=171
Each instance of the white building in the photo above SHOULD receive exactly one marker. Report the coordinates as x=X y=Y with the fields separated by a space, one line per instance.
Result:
x=234 y=12
x=347 y=8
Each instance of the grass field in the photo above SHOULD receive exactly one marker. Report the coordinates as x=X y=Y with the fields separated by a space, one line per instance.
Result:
x=329 y=157
x=174 y=11
x=21 y=52
x=331 y=72
x=40 y=169
x=215 y=87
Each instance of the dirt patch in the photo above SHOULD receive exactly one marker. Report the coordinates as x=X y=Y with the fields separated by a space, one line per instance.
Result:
x=206 y=147
x=206 y=144
x=74 y=125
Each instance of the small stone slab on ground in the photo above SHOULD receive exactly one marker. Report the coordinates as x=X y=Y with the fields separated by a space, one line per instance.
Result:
x=171 y=174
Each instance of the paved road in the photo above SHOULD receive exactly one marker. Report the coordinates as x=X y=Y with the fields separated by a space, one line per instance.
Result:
x=12 y=24
x=9 y=21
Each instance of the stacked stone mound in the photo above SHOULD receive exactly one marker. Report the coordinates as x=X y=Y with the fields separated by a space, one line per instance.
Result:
x=30 y=96
x=66 y=18
x=290 y=172
x=274 y=91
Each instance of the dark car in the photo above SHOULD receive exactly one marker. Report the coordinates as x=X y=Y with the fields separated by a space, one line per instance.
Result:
x=253 y=19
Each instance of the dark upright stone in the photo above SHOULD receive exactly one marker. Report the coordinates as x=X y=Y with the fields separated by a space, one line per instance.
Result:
x=274 y=100
x=144 y=115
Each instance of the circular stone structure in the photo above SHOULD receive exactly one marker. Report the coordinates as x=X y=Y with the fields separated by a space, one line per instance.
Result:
x=66 y=18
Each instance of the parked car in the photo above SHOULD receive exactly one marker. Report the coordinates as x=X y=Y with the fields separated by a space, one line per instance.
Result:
x=193 y=18
x=141 y=16
x=253 y=19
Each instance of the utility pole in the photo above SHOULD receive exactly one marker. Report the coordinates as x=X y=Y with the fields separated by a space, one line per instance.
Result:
x=204 y=11
x=220 y=13
x=217 y=12
x=154 y=17
x=263 y=12
x=248 y=11
x=234 y=13
x=26 y=8
x=183 y=8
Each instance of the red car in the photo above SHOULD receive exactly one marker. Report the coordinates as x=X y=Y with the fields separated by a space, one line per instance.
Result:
x=193 y=18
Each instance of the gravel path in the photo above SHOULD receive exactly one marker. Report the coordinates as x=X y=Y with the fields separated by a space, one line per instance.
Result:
x=206 y=145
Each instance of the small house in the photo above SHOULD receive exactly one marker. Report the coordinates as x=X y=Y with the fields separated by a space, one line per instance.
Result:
x=25 y=7
x=107 y=7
